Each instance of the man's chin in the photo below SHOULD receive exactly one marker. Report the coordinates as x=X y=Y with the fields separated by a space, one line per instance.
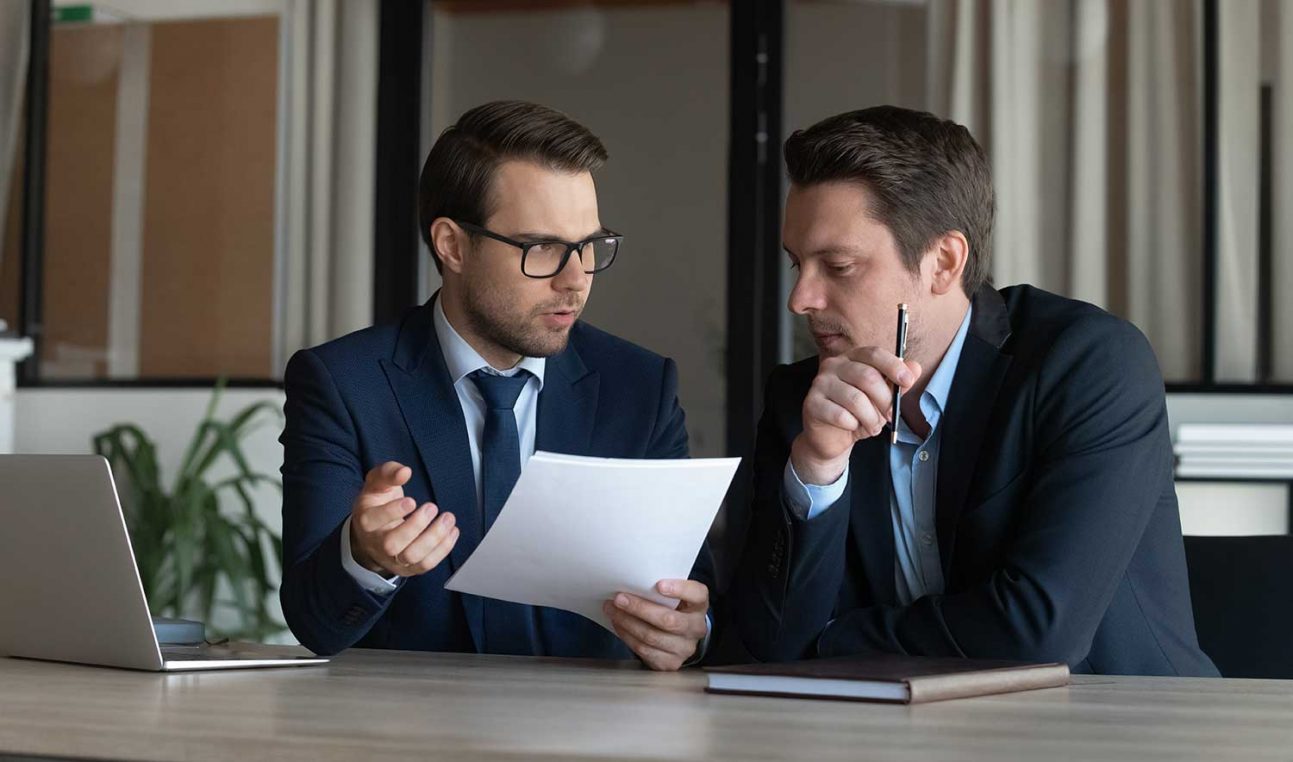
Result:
x=546 y=343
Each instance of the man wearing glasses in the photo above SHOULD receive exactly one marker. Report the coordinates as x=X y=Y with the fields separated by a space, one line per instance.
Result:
x=403 y=441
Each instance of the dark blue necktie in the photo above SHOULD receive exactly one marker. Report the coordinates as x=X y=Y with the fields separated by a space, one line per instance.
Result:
x=508 y=626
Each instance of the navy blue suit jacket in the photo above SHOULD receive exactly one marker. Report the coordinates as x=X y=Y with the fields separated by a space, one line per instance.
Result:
x=1055 y=509
x=384 y=393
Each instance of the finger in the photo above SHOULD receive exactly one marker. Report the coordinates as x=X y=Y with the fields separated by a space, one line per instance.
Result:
x=438 y=553
x=675 y=645
x=692 y=594
x=820 y=409
x=374 y=518
x=387 y=475
x=897 y=371
x=379 y=489
x=871 y=382
x=663 y=618
x=654 y=658
x=869 y=413
x=426 y=543
x=661 y=650
x=396 y=540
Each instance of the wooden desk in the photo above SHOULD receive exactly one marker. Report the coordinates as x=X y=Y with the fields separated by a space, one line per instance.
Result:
x=387 y=705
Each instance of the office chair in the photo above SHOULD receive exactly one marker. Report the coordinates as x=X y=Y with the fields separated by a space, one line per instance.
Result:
x=1242 y=590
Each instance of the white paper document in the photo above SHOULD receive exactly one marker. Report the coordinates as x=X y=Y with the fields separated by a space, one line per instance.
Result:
x=576 y=530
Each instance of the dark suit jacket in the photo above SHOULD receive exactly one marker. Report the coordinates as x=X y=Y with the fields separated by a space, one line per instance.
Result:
x=384 y=393
x=1056 y=514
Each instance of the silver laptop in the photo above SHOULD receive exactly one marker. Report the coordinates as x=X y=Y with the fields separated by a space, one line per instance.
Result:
x=69 y=587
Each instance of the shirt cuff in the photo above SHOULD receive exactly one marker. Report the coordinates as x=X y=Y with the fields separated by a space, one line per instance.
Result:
x=807 y=501
x=704 y=644
x=368 y=580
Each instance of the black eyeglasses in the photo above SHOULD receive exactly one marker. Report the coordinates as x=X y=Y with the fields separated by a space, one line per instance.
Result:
x=546 y=258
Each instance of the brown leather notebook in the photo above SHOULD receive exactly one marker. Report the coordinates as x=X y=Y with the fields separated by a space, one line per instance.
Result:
x=887 y=678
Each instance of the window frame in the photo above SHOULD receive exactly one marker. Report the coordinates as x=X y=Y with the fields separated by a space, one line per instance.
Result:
x=755 y=321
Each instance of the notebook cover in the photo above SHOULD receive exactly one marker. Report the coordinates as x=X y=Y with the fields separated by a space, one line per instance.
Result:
x=927 y=678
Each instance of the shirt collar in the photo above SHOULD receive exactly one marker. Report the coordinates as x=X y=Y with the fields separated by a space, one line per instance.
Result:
x=933 y=401
x=461 y=359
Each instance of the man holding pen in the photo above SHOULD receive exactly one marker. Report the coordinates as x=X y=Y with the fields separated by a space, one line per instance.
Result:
x=1025 y=508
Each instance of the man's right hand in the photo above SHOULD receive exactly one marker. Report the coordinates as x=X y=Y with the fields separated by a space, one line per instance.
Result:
x=387 y=534
x=851 y=399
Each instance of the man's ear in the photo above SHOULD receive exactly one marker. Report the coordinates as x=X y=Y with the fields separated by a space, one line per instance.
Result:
x=450 y=242
x=949 y=255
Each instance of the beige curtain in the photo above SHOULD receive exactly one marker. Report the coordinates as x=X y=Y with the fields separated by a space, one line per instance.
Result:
x=14 y=37
x=1089 y=110
x=326 y=239
x=1239 y=88
x=1255 y=50
x=1279 y=46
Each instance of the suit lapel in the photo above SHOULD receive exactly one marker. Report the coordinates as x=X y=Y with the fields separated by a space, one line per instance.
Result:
x=429 y=403
x=979 y=374
x=567 y=403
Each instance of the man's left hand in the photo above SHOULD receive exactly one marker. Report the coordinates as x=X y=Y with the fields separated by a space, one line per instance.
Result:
x=663 y=638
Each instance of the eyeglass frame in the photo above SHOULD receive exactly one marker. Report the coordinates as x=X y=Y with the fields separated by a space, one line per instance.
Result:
x=525 y=247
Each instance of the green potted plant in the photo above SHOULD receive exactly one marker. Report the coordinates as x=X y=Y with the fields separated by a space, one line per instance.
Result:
x=200 y=538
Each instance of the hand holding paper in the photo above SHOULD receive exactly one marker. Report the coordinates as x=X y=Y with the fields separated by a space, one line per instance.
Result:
x=664 y=638
x=576 y=531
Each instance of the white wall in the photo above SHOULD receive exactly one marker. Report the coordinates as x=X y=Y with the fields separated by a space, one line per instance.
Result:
x=65 y=420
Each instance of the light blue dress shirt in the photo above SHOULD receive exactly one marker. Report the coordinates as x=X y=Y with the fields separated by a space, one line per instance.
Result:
x=462 y=360
x=913 y=464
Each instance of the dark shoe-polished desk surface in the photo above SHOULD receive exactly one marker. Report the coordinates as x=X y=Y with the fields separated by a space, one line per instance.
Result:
x=379 y=705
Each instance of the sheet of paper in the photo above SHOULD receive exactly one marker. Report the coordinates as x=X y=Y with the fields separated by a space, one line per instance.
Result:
x=576 y=530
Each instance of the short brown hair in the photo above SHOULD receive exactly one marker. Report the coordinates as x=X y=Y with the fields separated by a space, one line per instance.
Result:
x=459 y=170
x=926 y=175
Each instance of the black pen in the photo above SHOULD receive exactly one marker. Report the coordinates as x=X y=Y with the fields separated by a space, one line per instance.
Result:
x=901 y=351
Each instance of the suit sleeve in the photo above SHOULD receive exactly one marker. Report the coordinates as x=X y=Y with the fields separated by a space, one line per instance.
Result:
x=1102 y=455
x=669 y=435
x=788 y=579
x=669 y=440
x=326 y=609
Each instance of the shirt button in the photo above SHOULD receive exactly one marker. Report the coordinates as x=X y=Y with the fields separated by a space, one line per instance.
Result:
x=927 y=539
x=924 y=455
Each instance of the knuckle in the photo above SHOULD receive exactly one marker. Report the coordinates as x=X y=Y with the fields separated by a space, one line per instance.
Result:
x=672 y=622
x=390 y=547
